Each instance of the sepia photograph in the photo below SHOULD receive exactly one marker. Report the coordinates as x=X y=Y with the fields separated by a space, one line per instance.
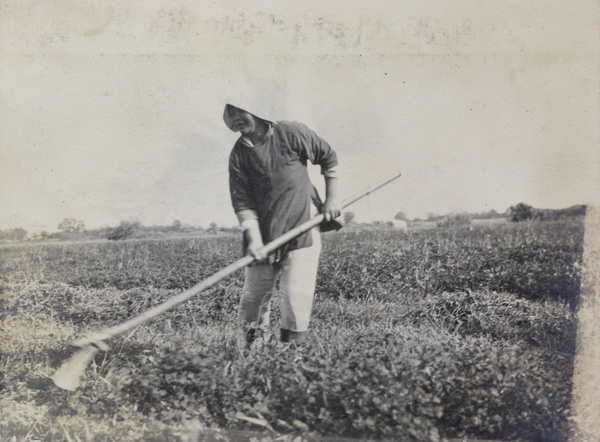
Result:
x=300 y=221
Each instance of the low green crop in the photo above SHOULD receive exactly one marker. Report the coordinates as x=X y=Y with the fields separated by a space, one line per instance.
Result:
x=447 y=333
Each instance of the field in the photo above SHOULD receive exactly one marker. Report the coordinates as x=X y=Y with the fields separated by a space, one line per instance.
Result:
x=447 y=333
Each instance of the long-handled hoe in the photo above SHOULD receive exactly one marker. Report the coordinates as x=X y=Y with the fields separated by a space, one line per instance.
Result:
x=69 y=373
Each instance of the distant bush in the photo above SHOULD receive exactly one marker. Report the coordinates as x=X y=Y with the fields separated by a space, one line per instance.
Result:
x=13 y=234
x=123 y=231
x=455 y=220
x=520 y=212
x=553 y=215
x=71 y=225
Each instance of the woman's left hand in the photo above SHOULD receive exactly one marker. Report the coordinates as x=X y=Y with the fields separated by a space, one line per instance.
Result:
x=331 y=209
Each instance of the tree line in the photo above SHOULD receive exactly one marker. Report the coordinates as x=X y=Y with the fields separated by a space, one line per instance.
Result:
x=72 y=228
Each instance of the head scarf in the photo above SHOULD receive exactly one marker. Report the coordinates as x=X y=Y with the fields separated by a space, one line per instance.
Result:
x=229 y=121
x=264 y=104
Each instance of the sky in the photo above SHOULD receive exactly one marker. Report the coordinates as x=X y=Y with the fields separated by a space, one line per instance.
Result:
x=113 y=112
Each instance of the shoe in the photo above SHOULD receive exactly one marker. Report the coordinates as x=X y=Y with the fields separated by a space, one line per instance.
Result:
x=253 y=334
x=296 y=337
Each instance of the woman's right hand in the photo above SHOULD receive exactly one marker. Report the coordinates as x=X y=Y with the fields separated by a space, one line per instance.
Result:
x=254 y=250
x=255 y=242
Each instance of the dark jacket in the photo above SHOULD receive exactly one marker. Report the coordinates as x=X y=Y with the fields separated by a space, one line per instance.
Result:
x=272 y=179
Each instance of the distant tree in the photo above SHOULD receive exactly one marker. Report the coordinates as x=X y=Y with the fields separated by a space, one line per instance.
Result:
x=521 y=212
x=455 y=220
x=229 y=229
x=400 y=216
x=348 y=217
x=400 y=224
x=71 y=225
x=213 y=228
x=487 y=215
x=176 y=225
x=432 y=216
x=14 y=234
x=124 y=230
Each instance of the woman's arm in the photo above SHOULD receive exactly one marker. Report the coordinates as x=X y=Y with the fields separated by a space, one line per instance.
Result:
x=331 y=208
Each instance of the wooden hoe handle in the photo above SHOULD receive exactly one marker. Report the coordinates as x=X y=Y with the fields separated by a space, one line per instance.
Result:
x=69 y=374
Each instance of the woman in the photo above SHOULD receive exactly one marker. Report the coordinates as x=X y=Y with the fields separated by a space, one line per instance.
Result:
x=271 y=193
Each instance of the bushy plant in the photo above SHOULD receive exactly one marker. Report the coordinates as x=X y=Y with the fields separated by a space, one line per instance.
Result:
x=501 y=316
x=521 y=212
x=443 y=333
x=535 y=261
x=415 y=384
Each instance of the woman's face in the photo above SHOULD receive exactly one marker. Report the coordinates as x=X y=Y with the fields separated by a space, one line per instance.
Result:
x=238 y=120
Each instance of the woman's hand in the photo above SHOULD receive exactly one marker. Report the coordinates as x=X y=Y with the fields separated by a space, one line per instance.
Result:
x=254 y=250
x=255 y=242
x=331 y=209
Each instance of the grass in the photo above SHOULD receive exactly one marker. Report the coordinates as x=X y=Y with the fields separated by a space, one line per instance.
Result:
x=430 y=335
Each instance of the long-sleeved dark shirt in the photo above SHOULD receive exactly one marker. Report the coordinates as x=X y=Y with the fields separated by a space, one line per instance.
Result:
x=271 y=179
